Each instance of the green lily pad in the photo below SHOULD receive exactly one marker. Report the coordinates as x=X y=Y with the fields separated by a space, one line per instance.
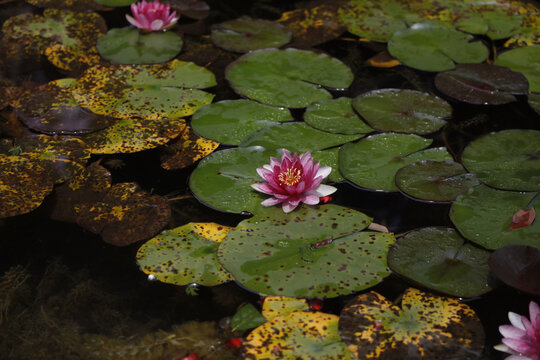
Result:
x=329 y=157
x=482 y=84
x=230 y=121
x=376 y=20
x=372 y=162
x=298 y=335
x=51 y=109
x=534 y=102
x=508 y=159
x=518 y=266
x=185 y=255
x=246 y=34
x=290 y=78
x=440 y=181
x=405 y=111
x=446 y=263
x=335 y=116
x=79 y=5
x=484 y=215
x=296 y=136
x=320 y=252
x=525 y=60
x=495 y=20
x=247 y=317
x=152 y=92
x=425 y=327
x=436 y=48
x=129 y=46
x=115 y=2
x=193 y=9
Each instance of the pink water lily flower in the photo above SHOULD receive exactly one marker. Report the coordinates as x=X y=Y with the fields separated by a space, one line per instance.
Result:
x=293 y=180
x=152 y=16
x=522 y=338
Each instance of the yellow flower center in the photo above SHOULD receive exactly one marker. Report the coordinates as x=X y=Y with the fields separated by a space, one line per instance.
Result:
x=290 y=177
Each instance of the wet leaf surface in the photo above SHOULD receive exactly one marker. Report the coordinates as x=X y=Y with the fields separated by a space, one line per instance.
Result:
x=525 y=60
x=508 y=159
x=401 y=110
x=185 y=150
x=482 y=84
x=372 y=162
x=194 y=9
x=290 y=78
x=518 y=266
x=446 y=263
x=274 y=253
x=335 y=116
x=329 y=158
x=299 y=335
x=153 y=92
x=185 y=255
x=495 y=20
x=247 y=317
x=274 y=306
x=484 y=216
x=425 y=327
x=440 y=181
x=230 y=121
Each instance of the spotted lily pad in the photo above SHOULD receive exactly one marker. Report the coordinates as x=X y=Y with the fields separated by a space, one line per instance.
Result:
x=401 y=110
x=23 y=185
x=446 y=263
x=246 y=34
x=115 y=2
x=185 y=255
x=130 y=46
x=436 y=48
x=274 y=306
x=440 y=181
x=495 y=20
x=296 y=137
x=518 y=266
x=299 y=336
x=51 y=109
x=484 y=215
x=185 y=150
x=372 y=162
x=79 y=5
x=525 y=60
x=290 y=78
x=482 y=84
x=230 y=121
x=153 y=92
x=320 y=252
x=425 y=327
x=529 y=31
x=508 y=159
x=335 y=116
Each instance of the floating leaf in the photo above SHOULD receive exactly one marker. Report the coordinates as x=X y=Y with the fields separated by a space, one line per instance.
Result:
x=185 y=255
x=289 y=78
x=23 y=185
x=484 y=215
x=51 y=109
x=247 y=317
x=436 y=48
x=529 y=32
x=525 y=60
x=508 y=159
x=297 y=137
x=299 y=336
x=274 y=306
x=193 y=9
x=185 y=150
x=446 y=263
x=317 y=252
x=495 y=20
x=246 y=34
x=153 y=92
x=230 y=121
x=534 y=102
x=518 y=266
x=335 y=116
x=130 y=46
x=329 y=158
x=523 y=218
x=133 y=135
x=115 y=2
x=401 y=110
x=372 y=162
x=482 y=84
x=440 y=181
x=79 y=5
x=425 y=327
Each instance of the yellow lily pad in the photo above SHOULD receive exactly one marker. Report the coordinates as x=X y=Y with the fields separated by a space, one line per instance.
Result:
x=274 y=306
x=185 y=150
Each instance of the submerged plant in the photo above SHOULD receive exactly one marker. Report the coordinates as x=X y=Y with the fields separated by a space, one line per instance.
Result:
x=522 y=338
x=152 y=16
x=293 y=180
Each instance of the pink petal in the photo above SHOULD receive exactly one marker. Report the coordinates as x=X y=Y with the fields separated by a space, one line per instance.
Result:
x=311 y=199
x=264 y=173
x=264 y=188
x=521 y=346
x=534 y=312
x=509 y=331
x=270 y=202
x=324 y=171
x=325 y=190
x=288 y=207
x=133 y=22
x=156 y=24
x=515 y=319
x=282 y=196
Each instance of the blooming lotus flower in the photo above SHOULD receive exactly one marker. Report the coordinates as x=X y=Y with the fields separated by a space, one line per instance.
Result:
x=152 y=16
x=522 y=338
x=293 y=180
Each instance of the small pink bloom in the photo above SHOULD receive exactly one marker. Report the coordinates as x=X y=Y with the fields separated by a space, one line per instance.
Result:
x=522 y=218
x=152 y=16
x=522 y=338
x=293 y=180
